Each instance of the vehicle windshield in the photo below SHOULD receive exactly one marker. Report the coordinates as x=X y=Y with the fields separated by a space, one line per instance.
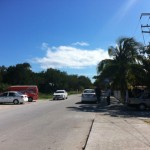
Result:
x=59 y=92
x=19 y=93
x=138 y=95
x=89 y=91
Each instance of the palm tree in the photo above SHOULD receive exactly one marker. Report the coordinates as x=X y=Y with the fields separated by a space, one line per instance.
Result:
x=146 y=66
x=125 y=58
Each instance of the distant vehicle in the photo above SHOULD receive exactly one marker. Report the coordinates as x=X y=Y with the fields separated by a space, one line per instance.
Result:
x=88 y=95
x=30 y=90
x=13 y=97
x=141 y=102
x=60 y=94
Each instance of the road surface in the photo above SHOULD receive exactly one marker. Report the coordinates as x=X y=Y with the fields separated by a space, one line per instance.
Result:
x=46 y=125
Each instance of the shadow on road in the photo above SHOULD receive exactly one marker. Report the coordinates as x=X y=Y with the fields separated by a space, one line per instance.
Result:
x=115 y=109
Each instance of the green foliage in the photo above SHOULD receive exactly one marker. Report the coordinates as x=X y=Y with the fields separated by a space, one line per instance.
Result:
x=47 y=81
x=3 y=87
x=122 y=70
x=18 y=75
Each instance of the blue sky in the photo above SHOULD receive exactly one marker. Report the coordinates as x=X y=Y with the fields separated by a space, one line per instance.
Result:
x=69 y=35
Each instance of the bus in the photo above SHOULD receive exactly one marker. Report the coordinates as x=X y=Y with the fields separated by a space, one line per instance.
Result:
x=30 y=90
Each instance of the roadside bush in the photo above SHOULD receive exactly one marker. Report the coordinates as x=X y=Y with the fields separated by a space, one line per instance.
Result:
x=3 y=87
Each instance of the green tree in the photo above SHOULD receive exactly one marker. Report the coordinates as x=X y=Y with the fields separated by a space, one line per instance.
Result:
x=3 y=71
x=47 y=81
x=146 y=66
x=84 y=82
x=54 y=79
x=19 y=74
x=73 y=82
x=125 y=58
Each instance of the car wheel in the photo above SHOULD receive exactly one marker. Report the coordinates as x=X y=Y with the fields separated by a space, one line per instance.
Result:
x=16 y=102
x=142 y=107
x=30 y=99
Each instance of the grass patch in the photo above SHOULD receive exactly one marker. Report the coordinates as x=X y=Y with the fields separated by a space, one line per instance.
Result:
x=74 y=92
x=45 y=96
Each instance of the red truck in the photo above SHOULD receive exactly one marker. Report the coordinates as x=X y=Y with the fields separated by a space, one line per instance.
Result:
x=30 y=90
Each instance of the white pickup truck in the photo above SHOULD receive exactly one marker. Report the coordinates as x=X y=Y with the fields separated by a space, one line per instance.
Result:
x=60 y=94
x=142 y=102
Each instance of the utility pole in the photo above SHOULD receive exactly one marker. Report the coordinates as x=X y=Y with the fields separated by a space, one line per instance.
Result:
x=145 y=29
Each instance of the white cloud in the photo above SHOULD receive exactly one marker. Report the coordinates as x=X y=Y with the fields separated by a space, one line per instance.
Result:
x=70 y=57
x=80 y=44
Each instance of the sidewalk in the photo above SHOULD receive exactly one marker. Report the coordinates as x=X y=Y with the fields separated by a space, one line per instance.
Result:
x=115 y=129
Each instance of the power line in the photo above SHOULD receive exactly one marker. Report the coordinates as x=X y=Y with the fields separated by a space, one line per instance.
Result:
x=136 y=28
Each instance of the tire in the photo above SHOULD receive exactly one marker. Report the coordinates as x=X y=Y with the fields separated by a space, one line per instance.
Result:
x=16 y=102
x=30 y=99
x=142 y=106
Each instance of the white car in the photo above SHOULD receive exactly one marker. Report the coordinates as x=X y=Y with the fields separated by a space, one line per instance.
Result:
x=13 y=97
x=60 y=94
x=88 y=95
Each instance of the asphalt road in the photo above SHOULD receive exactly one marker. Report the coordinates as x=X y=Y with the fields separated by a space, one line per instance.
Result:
x=46 y=125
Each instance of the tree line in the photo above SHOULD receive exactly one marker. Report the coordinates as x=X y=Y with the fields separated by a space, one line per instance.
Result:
x=128 y=68
x=47 y=81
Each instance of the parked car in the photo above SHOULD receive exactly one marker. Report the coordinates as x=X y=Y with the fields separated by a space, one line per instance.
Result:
x=88 y=95
x=141 y=102
x=60 y=94
x=13 y=97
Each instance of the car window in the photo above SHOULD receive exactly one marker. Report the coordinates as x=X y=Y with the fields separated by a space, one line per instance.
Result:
x=12 y=94
x=89 y=91
x=60 y=91
x=3 y=95
x=18 y=93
